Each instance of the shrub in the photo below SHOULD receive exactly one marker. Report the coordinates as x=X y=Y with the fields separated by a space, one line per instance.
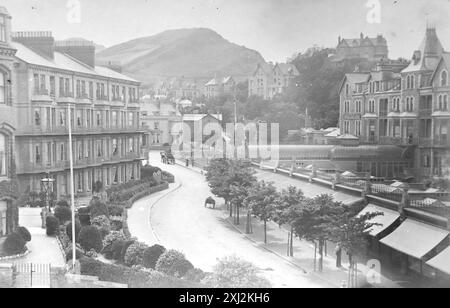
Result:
x=98 y=208
x=90 y=238
x=115 y=210
x=63 y=203
x=124 y=250
x=14 y=244
x=69 y=253
x=77 y=230
x=24 y=233
x=116 y=225
x=63 y=213
x=102 y=224
x=151 y=256
x=116 y=249
x=195 y=274
x=232 y=272
x=135 y=254
x=173 y=263
x=52 y=225
x=113 y=237
x=64 y=240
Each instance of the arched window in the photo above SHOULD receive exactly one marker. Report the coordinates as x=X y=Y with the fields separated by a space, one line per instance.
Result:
x=2 y=88
x=2 y=29
x=347 y=89
x=3 y=152
x=444 y=77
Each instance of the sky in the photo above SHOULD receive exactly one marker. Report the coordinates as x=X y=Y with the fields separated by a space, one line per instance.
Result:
x=276 y=28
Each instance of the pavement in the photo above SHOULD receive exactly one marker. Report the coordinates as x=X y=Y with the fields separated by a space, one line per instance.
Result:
x=42 y=249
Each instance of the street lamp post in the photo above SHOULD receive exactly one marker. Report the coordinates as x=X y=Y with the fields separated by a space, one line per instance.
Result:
x=47 y=185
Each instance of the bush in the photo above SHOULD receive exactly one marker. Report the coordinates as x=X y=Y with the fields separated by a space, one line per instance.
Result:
x=63 y=213
x=173 y=263
x=90 y=238
x=195 y=274
x=232 y=272
x=115 y=210
x=135 y=254
x=14 y=244
x=77 y=230
x=63 y=203
x=124 y=250
x=102 y=224
x=116 y=249
x=24 y=233
x=69 y=253
x=113 y=237
x=151 y=256
x=52 y=225
x=98 y=208
x=116 y=225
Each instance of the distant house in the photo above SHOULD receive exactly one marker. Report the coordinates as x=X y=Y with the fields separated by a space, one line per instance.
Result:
x=197 y=122
x=220 y=86
x=364 y=47
x=269 y=80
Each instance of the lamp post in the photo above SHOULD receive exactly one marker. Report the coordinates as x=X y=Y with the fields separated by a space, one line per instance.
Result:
x=47 y=185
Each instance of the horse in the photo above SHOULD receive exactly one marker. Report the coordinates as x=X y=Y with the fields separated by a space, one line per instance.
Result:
x=210 y=201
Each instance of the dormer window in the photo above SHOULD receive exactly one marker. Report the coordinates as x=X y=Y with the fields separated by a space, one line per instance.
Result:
x=2 y=29
x=444 y=78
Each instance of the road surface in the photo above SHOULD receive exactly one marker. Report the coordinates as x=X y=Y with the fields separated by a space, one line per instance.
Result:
x=178 y=220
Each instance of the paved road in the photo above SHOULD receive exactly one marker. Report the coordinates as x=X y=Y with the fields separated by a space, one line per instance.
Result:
x=180 y=221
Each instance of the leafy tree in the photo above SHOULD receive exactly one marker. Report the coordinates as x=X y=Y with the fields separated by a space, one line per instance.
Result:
x=262 y=198
x=63 y=213
x=232 y=272
x=90 y=238
x=289 y=209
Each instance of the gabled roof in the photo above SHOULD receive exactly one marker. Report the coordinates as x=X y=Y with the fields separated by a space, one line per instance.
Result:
x=444 y=59
x=62 y=61
x=354 y=78
x=266 y=67
x=287 y=69
x=219 y=81
x=425 y=58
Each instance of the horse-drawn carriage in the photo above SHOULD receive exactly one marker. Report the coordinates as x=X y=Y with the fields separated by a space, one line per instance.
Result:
x=167 y=158
x=210 y=202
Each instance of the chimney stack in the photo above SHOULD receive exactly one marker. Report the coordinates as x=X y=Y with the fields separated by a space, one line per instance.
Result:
x=81 y=50
x=41 y=42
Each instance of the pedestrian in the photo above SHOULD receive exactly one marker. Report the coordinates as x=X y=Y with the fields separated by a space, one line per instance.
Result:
x=338 y=252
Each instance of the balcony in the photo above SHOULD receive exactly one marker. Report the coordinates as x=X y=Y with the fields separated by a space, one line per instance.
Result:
x=41 y=95
x=66 y=97
x=62 y=130
x=400 y=141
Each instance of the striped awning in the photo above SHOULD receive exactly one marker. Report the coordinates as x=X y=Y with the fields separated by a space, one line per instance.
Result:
x=384 y=221
x=415 y=238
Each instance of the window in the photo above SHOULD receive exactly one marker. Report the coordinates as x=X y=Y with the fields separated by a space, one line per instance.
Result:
x=115 y=149
x=62 y=118
x=358 y=107
x=115 y=172
x=3 y=151
x=443 y=102
x=371 y=106
x=36 y=83
x=91 y=90
x=80 y=150
x=347 y=89
x=346 y=106
x=99 y=118
x=156 y=125
x=2 y=88
x=37 y=117
x=130 y=145
x=410 y=82
x=67 y=87
x=2 y=29
x=52 y=85
x=396 y=104
x=115 y=123
x=78 y=88
x=62 y=152
x=346 y=127
x=79 y=118
x=99 y=148
x=37 y=152
x=97 y=91
x=83 y=88
x=130 y=119
x=358 y=128
x=410 y=104
x=444 y=77
x=61 y=86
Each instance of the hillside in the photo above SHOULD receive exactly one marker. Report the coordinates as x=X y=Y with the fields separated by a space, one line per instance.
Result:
x=191 y=53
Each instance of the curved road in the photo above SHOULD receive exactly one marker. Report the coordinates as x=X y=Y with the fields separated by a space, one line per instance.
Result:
x=178 y=220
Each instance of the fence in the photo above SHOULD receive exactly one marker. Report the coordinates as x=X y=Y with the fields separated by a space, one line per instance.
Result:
x=31 y=275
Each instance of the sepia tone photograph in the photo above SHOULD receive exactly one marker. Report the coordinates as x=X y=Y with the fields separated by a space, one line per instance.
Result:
x=224 y=149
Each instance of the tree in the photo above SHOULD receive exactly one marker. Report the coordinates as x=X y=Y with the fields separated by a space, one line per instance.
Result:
x=289 y=207
x=262 y=200
x=63 y=213
x=232 y=272
x=90 y=238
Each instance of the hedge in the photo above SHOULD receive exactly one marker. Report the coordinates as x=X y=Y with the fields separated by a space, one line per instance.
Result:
x=14 y=244
x=132 y=277
x=52 y=225
x=151 y=256
x=90 y=238
x=63 y=213
x=173 y=263
x=24 y=233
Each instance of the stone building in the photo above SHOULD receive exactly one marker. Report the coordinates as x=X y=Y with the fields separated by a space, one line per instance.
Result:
x=364 y=47
x=48 y=85
x=405 y=107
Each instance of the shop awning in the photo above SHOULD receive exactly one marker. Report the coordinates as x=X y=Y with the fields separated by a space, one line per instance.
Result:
x=384 y=221
x=414 y=238
x=441 y=262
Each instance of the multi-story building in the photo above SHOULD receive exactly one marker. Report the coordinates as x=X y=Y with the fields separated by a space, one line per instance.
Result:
x=269 y=80
x=405 y=107
x=370 y=49
x=8 y=90
x=158 y=118
x=51 y=85
x=220 y=86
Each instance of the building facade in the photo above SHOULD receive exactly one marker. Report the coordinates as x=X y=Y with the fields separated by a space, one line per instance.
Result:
x=364 y=47
x=8 y=90
x=405 y=107
x=270 y=80
x=51 y=85
x=220 y=86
